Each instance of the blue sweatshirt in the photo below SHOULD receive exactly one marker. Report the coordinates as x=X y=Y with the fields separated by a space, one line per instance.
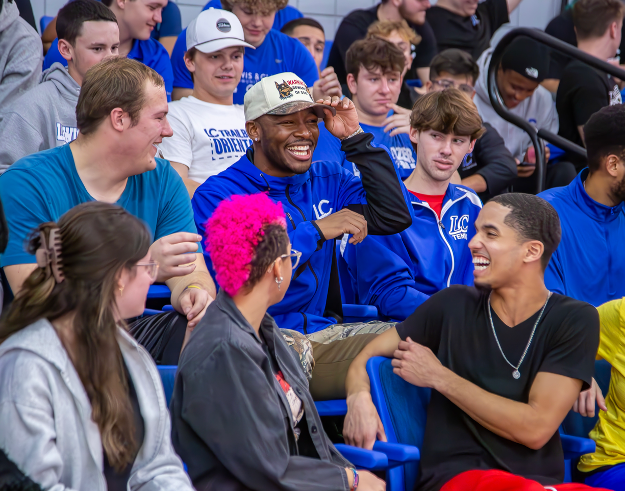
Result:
x=277 y=54
x=324 y=189
x=399 y=272
x=588 y=264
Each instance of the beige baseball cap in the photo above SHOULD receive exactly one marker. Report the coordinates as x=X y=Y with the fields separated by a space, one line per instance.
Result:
x=215 y=29
x=284 y=93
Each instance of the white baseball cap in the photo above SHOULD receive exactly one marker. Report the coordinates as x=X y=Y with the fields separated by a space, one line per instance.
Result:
x=284 y=93
x=215 y=29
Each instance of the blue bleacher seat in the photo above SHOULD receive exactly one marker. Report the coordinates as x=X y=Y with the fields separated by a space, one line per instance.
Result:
x=403 y=405
x=159 y=291
x=168 y=377
x=332 y=408
x=43 y=22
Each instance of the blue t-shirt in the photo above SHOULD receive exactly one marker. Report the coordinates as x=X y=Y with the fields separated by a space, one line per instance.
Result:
x=43 y=186
x=172 y=22
x=329 y=148
x=149 y=52
x=287 y=14
x=278 y=53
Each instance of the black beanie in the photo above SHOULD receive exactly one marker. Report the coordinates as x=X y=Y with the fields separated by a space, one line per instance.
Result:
x=528 y=58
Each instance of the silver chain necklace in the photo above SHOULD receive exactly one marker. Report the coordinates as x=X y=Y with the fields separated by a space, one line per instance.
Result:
x=516 y=374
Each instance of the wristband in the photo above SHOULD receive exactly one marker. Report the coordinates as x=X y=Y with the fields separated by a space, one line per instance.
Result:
x=357 y=132
x=193 y=286
x=355 y=486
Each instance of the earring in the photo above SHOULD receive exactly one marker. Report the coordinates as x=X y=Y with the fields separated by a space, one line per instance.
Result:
x=279 y=281
x=121 y=291
x=255 y=139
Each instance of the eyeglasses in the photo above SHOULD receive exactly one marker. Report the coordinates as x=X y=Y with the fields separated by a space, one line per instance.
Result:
x=448 y=84
x=295 y=257
x=152 y=268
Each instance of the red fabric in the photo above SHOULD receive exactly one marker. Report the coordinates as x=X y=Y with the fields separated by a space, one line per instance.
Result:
x=283 y=383
x=504 y=481
x=435 y=201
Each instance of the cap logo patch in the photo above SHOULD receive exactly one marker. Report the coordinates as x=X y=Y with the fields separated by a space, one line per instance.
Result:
x=284 y=89
x=223 y=25
x=532 y=72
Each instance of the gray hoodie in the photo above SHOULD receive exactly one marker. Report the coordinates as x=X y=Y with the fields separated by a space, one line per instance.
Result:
x=21 y=54
x=46 y=424
x=539 y=109
x=43 y=118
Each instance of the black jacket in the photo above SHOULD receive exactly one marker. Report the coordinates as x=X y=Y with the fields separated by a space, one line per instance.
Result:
x=231 y=422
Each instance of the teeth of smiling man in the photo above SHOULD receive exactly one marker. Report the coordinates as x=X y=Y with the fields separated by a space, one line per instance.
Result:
x=480 y=263
x=299 y=149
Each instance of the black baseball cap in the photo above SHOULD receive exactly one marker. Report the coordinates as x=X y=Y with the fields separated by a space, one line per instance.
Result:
x=528 y=58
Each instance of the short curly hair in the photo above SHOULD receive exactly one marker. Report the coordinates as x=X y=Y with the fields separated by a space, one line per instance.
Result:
x=263 y=6
x=244 y=235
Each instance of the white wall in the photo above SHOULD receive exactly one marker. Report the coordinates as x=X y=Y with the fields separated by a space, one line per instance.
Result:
x=531 y=13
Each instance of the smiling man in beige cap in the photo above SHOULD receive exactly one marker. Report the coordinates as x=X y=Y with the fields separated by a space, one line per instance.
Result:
x=322 y=201
x=209 y=130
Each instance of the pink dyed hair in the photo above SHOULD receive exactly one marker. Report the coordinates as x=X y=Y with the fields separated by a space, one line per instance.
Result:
x=233 y=232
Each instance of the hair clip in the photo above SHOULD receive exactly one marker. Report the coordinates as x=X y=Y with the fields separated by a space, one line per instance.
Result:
x=49 y=254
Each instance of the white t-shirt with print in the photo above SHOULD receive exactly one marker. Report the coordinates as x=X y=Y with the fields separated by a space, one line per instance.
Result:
x=208 y=138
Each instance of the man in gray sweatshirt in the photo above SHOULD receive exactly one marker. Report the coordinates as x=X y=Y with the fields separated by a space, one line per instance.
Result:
x=21 y=53
x=45 y=116
x=524 y=65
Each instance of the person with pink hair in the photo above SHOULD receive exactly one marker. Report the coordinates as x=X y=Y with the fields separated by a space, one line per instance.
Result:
x=242 y=414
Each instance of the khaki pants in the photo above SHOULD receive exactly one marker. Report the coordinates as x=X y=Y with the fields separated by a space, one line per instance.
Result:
x=326 y=355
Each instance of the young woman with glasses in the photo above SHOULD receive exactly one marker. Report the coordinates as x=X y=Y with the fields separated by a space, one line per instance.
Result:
x=242 y=415
x=81 y=403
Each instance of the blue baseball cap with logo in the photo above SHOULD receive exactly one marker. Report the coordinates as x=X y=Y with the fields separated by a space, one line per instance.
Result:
x=215 y=29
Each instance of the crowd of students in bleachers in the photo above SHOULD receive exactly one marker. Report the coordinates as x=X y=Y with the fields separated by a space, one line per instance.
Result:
x=269 y=193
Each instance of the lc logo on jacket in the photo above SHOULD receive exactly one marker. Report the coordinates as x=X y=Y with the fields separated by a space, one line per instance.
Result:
x=458 y=227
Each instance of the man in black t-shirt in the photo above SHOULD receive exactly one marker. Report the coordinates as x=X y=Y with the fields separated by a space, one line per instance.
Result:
x=584 y=90
x=506 y=360
x=467 y=25
x=561 y=27
x=354 y=27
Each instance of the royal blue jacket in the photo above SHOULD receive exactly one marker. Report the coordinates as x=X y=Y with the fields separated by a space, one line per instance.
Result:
x=324 y=189
x=588 y=264
x=399 y=272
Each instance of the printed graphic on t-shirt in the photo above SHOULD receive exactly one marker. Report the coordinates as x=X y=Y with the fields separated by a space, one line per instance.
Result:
x=459 y=226
x=403 y=157
x=248 y=79
x=227 y=143
x=468 y=162
x=615 y=96
x=65 y=134
x=297 y=408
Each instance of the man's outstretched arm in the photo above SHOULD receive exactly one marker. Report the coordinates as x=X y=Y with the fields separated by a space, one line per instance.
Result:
x=362 y=424
x=551 y=397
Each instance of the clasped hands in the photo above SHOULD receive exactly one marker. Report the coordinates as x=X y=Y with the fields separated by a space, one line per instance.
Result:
x=176 y=256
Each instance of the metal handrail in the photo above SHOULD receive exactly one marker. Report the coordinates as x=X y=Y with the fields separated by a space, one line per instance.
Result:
x=536 y=133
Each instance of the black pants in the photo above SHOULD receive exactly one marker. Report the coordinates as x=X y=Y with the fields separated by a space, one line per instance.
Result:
x=559 y=174
x=162 y=335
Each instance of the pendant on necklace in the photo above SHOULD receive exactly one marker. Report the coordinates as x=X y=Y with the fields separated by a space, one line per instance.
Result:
x=516 y=374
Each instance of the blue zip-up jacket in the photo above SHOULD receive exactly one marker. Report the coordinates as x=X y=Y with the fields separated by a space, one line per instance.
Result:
x=324 y=189
x=399 y=272
x=588 y=264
